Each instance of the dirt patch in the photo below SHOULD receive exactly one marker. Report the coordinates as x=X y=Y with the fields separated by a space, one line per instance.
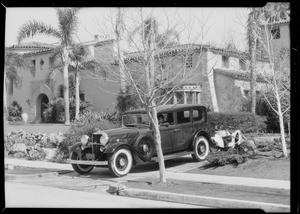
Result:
x=258 y=167
x=213 y=190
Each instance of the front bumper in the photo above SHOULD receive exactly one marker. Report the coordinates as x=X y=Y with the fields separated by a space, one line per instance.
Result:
x=86 y=162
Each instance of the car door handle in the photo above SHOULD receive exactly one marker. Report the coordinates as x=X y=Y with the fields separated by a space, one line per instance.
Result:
x=177 y=130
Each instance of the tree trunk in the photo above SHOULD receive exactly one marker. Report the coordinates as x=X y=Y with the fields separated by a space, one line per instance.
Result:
x=119 y=33
x=77 y=98
x=4 y=99
x=252 y=55
x=157 y=139
x=66 y=85
x=282 y=133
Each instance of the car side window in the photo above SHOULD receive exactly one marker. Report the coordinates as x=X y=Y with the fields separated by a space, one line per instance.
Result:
x=198 y=115
x=169 y=119
x=183 y=116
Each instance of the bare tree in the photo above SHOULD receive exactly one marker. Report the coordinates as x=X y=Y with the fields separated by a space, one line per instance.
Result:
x=277 y=76
x=157 y=68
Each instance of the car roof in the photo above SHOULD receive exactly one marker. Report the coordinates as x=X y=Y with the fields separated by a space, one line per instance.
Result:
x=164 y=108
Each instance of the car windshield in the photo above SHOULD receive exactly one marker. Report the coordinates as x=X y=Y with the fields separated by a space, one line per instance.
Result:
x=130 y=120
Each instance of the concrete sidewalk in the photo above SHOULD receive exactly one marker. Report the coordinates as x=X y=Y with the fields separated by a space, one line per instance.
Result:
x=228 y=180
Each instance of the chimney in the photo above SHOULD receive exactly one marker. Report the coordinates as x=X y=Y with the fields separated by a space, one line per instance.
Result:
x=96 y=37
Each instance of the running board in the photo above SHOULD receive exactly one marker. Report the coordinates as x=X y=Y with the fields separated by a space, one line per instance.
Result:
x=85 y=162
x=172 y=156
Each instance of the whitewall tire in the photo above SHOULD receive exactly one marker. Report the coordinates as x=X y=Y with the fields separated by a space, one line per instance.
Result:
x=201 y=148
x=120 y=162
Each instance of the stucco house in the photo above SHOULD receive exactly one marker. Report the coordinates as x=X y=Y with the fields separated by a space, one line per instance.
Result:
x=36 y=89
x=220 y=79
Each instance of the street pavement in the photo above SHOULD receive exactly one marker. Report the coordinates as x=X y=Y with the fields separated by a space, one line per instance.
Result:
x=228 y=180
x=19 y=195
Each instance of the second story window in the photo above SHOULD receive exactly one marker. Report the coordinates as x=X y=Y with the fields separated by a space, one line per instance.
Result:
x=41 y=64
x=32 y=67
x=225 y=61
x=275 y=32
x=189 y=61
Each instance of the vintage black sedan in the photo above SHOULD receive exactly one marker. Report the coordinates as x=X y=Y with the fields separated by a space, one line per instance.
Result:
x=133 y=143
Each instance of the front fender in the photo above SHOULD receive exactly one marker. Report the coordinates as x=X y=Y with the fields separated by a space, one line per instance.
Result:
x=74 y=147
x=113 y=147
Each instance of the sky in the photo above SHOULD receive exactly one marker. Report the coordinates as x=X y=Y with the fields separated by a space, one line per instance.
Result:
x=195 y=25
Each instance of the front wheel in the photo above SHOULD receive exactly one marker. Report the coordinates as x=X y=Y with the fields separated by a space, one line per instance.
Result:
x=201 y=148
x=79 y=168
x=120 y=162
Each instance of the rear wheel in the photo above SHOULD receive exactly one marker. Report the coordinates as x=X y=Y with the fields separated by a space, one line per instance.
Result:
x=146 y=148
x=201 y=148
x=120 y=162
x=79 y=168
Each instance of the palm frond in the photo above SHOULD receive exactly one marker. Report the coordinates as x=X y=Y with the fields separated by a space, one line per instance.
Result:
x=32 y=28
x=68 y=24
x=167 y=38
x=78 y=54
x=13 y=61
x=150 y=25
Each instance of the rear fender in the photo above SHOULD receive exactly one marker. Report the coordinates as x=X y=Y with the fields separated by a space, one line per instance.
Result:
x=201 y=133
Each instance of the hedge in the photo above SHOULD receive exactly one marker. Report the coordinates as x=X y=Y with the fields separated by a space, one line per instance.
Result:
x=244 y=121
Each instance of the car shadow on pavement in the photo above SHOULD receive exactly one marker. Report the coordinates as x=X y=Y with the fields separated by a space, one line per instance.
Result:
x=103 y=173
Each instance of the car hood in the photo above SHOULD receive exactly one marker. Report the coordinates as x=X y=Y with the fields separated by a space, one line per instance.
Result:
x=122 y=131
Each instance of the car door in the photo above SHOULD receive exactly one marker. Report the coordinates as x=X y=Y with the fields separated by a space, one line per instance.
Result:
x=182 y=131
x=166 y=132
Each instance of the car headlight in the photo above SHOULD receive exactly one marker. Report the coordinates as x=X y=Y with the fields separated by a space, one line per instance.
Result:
x=103 y=139
x=84 y=139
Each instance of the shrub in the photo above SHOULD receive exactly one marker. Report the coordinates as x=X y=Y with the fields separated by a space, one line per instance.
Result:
x=55 y=112
x=15 y=111
x=87 y=124
x=126 y=101
x=264 y=109
x=271 y=145
x=222 y=158
x=244 y=121
x=36 y=154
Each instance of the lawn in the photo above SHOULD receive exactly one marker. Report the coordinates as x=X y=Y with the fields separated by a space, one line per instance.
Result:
x=266 y=167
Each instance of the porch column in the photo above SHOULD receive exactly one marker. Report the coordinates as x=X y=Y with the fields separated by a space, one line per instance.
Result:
x=198 y=95
x=184 y=97
x=174 y=98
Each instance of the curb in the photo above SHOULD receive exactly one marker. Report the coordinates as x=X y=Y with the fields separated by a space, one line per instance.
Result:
x=201 y=200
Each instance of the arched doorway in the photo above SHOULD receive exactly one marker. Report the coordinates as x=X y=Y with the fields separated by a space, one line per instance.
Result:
x=41 y=105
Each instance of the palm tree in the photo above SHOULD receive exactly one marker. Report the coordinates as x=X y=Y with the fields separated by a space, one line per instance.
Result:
x=253 y=32
x=77 y=56
x=13 y=61
x=119 y=33
x=166 y=39
x=68 y=24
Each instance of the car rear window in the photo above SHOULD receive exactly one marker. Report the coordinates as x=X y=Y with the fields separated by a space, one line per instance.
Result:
x=183 y=116
x=197 y=114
